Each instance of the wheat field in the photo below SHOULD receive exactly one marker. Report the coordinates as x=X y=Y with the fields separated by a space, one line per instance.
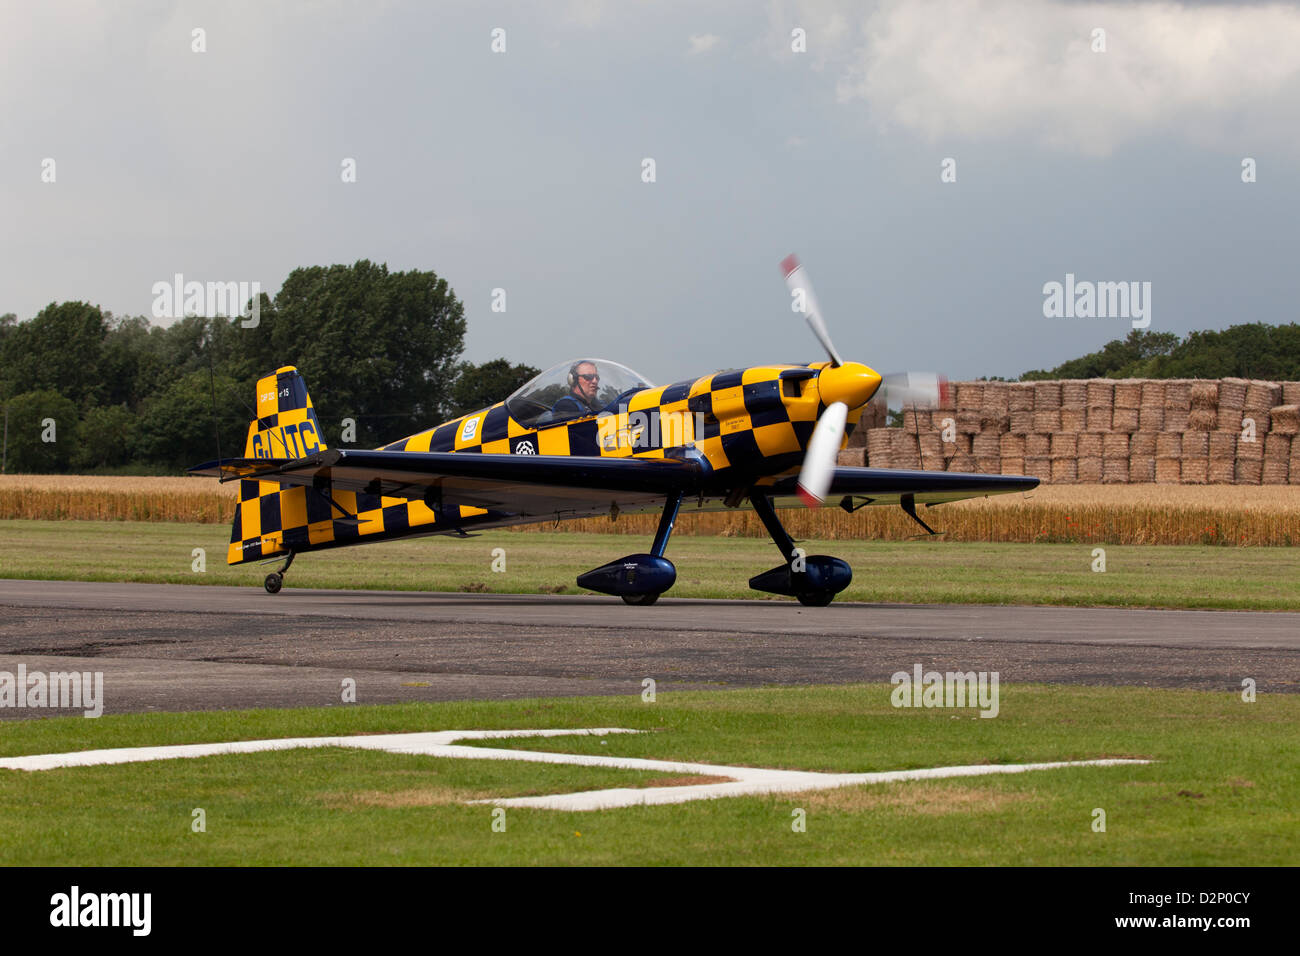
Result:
x=1235 y=515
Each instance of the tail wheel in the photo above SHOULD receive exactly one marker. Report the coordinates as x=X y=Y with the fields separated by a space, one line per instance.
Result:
x=274 y=581
x=640 y=600
x=816 y=598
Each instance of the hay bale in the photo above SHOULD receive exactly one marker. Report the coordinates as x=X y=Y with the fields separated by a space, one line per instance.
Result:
x=987 y=445
x=997 y=424
x=1252 y=449
x=1250 y=471
x=1099 y=418
x=1277 y=445
x=931 y=446
x=1022 y=422
x=1196 y=445
x=962 y=462
x=968 y=421
x=1125 y=420
x=852 y=457
x=1037 y=446
x=1013 y=466
x=1074 y=419
x=1290 y=393
x=1074 y=394
x=1153 y=395
x=1178 y=394
x=1168 y=471
x=1011 y=446
x=1141 y=469
x=1228 y=419
x=1263 y=395
x=1142 y=444
x=1232 y=392
x=1047 y=421
x=1276 y=472
x=1223 y=445
x=1203 y=420
x=1088 y=471
x=1169 y=445
x=1020 y=397
x=996 y=398
x=1151 y=418
x=1262 y=417
x=970 y=396
x=1047 y=396
x=1115 y=445
x=1223 y=472
x=1176 y=419
x=989 y=466
x=1194 y=471
x=880 y=447
x=1101 y=391
x=916 y=420
x=1064 y=471
x=1114 y=471
x=1205 y=395
x=1284 y=419
x=1064 y=446
x=1039 y=467
x=874 y=414
x=1128 y=394
x=1090 y=445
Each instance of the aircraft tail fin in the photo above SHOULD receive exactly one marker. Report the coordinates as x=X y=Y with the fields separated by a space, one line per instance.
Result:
x=286 y=425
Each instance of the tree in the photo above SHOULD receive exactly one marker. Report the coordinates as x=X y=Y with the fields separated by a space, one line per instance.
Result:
x=478 y=386
x=1119 y=358
x=42 y=433
x=376 y=346
x=176 y=425
x=106 y=438
x=60 y=350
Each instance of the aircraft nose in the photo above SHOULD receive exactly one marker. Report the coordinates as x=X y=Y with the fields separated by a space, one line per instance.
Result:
x=851 y=383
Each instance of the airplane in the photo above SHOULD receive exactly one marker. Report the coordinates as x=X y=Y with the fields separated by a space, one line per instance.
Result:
x=586 y=438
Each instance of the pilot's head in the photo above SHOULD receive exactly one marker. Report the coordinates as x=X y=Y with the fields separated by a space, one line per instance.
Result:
x=584 y=381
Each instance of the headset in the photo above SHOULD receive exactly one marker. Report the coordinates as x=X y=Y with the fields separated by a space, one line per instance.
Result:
x=573 y=372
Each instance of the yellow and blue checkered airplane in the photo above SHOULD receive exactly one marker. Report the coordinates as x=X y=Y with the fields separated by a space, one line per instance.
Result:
x=583 y=439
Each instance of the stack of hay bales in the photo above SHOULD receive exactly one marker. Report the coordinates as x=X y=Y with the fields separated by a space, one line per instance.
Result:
x=1112 y=431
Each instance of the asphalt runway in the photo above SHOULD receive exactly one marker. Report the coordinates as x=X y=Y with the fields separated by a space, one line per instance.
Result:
x=178 y=647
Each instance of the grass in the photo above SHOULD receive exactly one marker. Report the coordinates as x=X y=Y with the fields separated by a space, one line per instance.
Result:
x=920 y=571
x=1224 y=789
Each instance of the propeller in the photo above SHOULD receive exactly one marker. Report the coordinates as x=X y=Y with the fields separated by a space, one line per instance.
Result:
x=844 y=386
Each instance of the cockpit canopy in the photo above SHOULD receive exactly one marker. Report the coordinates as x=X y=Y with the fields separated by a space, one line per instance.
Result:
x=572 y=390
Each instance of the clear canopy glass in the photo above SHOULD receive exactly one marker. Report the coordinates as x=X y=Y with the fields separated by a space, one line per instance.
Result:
x=574 y=389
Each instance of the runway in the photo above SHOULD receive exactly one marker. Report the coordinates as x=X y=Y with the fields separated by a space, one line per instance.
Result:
x=178 y=647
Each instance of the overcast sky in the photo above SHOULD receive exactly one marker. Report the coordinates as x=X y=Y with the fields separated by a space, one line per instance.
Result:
x=523 y=170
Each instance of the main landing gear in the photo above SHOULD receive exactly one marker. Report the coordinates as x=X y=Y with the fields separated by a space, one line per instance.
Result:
x=275 y=580
x=639 y=579
x=813 y=579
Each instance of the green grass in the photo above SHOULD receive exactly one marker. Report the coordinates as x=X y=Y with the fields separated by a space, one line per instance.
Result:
x=922 y=571
x=1224 y=789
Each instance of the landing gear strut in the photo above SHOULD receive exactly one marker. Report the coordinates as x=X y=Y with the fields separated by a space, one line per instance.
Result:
x=275 y=580
x=639 y=579
x=813 y=579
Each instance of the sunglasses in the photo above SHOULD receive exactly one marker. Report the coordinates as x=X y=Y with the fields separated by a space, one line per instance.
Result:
x=590 y=378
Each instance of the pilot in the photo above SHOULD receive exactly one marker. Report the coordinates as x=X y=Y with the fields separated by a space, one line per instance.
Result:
x=584 y=382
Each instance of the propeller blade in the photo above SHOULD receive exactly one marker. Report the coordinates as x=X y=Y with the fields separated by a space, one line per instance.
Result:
x=803 y=300
x=823 y=451
x=915 y=388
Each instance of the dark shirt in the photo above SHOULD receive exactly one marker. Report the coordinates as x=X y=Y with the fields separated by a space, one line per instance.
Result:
x=568 y=406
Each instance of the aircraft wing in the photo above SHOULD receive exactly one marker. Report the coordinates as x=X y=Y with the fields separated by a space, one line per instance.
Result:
x=535 y=485
x=888 y=486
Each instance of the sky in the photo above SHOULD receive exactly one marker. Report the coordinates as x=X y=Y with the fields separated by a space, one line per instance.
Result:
x=524 y=169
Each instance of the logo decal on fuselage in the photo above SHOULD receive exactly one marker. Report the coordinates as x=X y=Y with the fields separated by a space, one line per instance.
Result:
x=525 y=448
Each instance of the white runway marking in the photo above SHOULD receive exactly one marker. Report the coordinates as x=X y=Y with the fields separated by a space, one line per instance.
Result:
x=745 y=781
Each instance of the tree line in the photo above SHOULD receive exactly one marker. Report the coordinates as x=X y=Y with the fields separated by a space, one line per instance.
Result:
x=84 y=390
